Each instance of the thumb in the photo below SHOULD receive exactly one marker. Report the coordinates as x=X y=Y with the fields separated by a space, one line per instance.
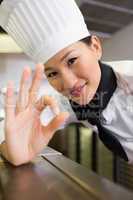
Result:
x=55 y=124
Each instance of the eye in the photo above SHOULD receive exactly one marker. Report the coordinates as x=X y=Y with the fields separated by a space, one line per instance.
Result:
x=71 y=61
x=52 y=75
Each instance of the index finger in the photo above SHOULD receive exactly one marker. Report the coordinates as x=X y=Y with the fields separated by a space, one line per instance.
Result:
x=10 y=102
x=36 y=83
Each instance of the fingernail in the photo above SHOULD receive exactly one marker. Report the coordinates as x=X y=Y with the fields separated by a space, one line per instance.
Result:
x=27 y=73
x=10 y=84
x=40 y=66
x=56 y=110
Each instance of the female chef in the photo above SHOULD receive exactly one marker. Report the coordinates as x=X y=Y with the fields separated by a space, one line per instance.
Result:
x=54 y=33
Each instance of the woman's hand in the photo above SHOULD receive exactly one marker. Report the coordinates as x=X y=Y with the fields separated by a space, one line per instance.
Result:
x=25 y=136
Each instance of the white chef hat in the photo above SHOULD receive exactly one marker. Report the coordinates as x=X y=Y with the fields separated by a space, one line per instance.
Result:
x=43 y=27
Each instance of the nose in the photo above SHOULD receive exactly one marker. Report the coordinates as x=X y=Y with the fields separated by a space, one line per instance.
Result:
x=68 y=80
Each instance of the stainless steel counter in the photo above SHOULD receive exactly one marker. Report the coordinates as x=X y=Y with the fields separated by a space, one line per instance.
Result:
x=52 y=176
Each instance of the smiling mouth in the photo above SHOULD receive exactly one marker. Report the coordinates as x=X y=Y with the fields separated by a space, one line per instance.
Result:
x=76 y=92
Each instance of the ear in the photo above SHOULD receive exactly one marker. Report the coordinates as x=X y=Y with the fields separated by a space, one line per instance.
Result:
x=96 y=46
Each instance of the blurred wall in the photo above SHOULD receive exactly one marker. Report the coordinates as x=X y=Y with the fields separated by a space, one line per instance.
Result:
x=11 y=67
x=119 y=46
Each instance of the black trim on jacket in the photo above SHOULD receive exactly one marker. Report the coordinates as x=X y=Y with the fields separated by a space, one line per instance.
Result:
x=93 y=111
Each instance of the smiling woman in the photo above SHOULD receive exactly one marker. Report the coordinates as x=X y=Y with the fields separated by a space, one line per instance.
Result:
x=54 y=33
x=69 y=70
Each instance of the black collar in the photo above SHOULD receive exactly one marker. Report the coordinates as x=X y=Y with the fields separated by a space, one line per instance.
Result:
x=92 y=111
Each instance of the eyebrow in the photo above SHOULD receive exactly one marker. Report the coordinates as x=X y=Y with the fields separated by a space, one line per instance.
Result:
x=48 y=69
x=66 y=55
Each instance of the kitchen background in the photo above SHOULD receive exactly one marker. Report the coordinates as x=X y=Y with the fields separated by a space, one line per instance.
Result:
x=112 y=21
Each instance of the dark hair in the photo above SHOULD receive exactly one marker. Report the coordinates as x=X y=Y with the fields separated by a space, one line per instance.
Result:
x=87 y=40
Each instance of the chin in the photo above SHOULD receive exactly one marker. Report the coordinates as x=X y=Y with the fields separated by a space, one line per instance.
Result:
x=79 y=101
x=82 y=100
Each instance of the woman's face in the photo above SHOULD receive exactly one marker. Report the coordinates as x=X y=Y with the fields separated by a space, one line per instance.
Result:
x=75 y=71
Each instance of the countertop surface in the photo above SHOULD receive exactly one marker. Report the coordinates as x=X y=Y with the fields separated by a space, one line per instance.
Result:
x=53 y=176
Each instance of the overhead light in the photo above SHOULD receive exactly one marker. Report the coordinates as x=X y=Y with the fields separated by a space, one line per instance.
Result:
x=7 y=45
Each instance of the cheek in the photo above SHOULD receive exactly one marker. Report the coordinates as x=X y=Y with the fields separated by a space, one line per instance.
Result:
x=88 y=70
x=56 y=85
x=83 y=70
